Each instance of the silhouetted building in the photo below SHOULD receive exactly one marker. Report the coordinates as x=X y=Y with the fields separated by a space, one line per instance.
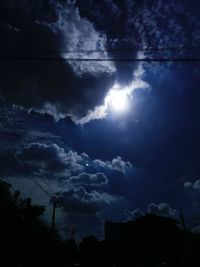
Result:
x=113 y=231
x=150 y=238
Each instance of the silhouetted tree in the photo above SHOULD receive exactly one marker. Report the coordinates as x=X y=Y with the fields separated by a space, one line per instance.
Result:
x=24 y=237
x=150 y=240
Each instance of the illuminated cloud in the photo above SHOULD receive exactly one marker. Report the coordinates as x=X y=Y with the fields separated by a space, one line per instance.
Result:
x=79 y=201
x=52 y=160
x=117 y=95
x=133 y=214
x=88 y=179
x=161 y=209
x=192 y=187
x=80 y=35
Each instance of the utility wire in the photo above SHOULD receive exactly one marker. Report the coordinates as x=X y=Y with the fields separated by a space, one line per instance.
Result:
x=20 y=164
x=32 y=177
x=25 y=167
x=11 y=148
x=77 y=51
x=36 y=58
x=15 y=130
x=44 y=180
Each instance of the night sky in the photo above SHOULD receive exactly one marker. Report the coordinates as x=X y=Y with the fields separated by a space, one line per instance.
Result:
x=110 y=139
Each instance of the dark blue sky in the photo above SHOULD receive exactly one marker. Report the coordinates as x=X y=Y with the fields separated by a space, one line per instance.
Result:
x=56 y=129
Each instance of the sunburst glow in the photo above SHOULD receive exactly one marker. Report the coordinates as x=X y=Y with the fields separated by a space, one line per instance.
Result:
x=117 y=99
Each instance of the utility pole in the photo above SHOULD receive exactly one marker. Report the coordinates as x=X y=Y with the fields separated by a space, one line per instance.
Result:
x=27 y=214
x=28 y=208
x=182 y=219
x=53 y=220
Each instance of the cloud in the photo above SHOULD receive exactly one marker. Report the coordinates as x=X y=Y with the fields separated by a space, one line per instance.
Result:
x=58 y=88
x=53 y=161
x=192 y=191
x=28 y=11
x=52 y=87
x=135 y=214
x=192 y=187
x=88 y=179
x=192 y=196
x=80 y=34
x=145 y=24
x=79 y=201
x=117 y=164
x=161 y=209
x=101 y=112
x=97 y=114
x=48 y=109
x=187 y=185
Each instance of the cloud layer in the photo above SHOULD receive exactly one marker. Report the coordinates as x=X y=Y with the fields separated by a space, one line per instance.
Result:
x=55 y=161
x=78 y=88
x=51 y=86
x=161 y=209
x=108 y=166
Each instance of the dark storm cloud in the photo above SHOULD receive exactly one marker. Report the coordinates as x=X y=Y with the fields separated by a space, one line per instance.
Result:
x=59 y=87
x=79 y=201
x=51 y=86
x=19 y=12
x=19 y=129
x=86 y=185
x=71 y=169
x=80 y=34
x=52 y=159
x=8 y=166
x=87 y=209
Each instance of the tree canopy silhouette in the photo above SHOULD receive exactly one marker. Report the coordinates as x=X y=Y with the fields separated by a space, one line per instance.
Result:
x=24 y=235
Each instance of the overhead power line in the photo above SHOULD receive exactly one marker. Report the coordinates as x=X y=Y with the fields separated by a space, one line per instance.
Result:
x=80 y=51
x=12 y=149
x=35 y=58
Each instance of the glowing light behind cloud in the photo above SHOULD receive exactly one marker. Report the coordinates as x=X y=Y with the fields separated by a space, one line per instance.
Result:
x=117 y=98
